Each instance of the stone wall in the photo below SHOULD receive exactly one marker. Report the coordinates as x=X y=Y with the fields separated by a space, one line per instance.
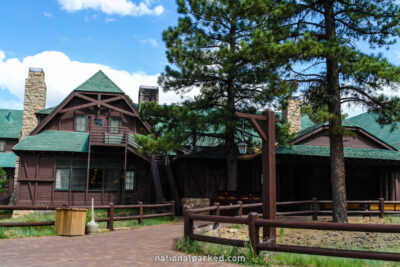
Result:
x=148 y=94
x=34 y=101
x=292 y=115
x=192 y=203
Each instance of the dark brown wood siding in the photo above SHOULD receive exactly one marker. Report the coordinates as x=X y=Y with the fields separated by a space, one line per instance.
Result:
x=322 y=139
x=10 y=143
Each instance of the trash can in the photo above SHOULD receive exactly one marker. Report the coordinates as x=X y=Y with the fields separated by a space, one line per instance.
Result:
x=70 y=221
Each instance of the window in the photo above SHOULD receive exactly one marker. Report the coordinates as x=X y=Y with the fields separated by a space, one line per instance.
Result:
x=95 y=179
x=115 y=124
x=78 y=179
x=80 y=123
x=2 y=145
x=98 y=122
x=112 y=179
x=129 y=180
x=62 y=179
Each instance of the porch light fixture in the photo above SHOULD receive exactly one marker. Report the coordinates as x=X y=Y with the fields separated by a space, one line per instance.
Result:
x=242 y=148
x=242 y=145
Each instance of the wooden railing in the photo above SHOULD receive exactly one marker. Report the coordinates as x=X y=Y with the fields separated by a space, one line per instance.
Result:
x=110 y=213
x=254 y=223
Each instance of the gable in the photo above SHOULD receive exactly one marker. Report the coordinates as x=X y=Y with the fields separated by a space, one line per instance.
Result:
x=319 y=137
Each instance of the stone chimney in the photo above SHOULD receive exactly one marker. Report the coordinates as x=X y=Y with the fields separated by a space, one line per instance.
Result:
x=292 y=115
x=34 y=101
x=148 y=94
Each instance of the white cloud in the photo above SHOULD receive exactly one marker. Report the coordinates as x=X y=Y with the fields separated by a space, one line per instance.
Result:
x=150 y=41
x=48 y=14
x=113 y=7
x=109 y=20
x=63 y=75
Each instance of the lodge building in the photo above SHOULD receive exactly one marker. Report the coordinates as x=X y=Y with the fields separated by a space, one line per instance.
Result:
x=85 y=148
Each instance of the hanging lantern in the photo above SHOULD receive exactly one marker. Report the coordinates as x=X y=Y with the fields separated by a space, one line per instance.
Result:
x=242 y=148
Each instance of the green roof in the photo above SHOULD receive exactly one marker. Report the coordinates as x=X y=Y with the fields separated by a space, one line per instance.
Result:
x=323 y=151
x=10 y=123
x=99 y=82
x=7 y=160
x=368 y=122
x=55 y=141
x=46 y=111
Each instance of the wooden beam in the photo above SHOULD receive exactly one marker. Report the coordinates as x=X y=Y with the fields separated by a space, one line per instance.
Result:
x=78 y=107
x=53 y=114
x=259 y=130
x=250 y=116
x=269 y=175
x=119 y=109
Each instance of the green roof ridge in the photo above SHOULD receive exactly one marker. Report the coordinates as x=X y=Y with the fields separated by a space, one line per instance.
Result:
x=99 y=82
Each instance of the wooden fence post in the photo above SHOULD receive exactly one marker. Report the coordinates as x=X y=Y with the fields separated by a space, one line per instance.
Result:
x=188 y=226
x=217 y=213
x=315 y=209
x=140 y=220
x=381 y=207
x=240 y=211
x=110 y=222
x=172 y=210
x=253 y=231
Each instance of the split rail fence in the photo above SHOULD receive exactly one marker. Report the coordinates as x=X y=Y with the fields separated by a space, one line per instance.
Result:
x=254 y=223
x=110 y=219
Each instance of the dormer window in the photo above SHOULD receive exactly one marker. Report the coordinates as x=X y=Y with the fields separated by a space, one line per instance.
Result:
x=80 y=123
x=2 y=145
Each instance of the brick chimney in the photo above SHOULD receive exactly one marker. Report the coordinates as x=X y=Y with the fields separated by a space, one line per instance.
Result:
x=148 y=94
x=292 y=115
x=34 y=101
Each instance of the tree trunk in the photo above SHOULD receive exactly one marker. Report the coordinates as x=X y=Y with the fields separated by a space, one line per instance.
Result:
x=231 y=149
x=337 y=166
x=231 y=165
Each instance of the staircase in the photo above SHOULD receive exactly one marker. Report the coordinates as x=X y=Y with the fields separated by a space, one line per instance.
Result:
x=162 y=172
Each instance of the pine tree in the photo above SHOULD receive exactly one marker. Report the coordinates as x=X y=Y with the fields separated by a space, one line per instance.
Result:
x=216 y=47
x=331 y=68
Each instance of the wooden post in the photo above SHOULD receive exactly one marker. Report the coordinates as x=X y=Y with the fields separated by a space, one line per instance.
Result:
x=140 y=221
x=253 y=231
x=217 y=213
x=87 y=173
x=125 y=161
x=110 y=223
x=188 y=226
x=381 y=207
x=269 y=174
x=240 y=211
x=172 y=210
x=315 y=209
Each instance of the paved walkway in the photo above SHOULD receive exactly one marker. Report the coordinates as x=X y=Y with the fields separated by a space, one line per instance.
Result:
x=136 y=247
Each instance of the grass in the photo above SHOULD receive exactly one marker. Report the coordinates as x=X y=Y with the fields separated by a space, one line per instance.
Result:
x=277 y=258
x=20 y=232
x=274 y=258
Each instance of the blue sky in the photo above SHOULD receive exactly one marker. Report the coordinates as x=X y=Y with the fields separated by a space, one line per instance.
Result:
x=132 y=43
x=72 y=39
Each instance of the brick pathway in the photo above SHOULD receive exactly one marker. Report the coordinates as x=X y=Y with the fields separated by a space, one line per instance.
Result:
x=135 y=247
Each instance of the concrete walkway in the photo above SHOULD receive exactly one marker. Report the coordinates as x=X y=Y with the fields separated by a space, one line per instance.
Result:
x=136 y=247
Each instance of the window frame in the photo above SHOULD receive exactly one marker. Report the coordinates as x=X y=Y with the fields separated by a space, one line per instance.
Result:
x=119 y=126
x=3 y=147
x=69 y=179
x=133 y=180
x=76 y=122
